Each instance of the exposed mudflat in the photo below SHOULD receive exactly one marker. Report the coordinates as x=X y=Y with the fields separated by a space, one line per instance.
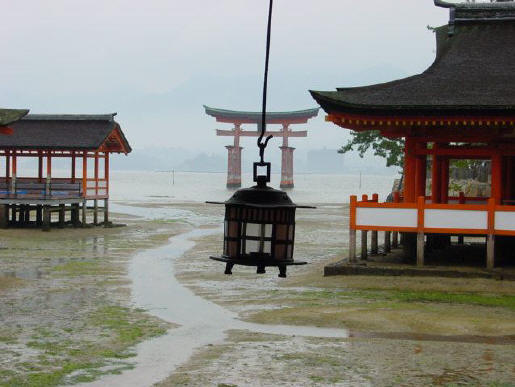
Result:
x=142 y=304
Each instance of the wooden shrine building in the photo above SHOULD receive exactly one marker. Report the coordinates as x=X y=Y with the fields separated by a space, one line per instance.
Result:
x=462 y=107
x=238 y=118
x=84 y=142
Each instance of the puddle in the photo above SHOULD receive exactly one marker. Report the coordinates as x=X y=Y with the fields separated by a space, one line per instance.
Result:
x=471 y=339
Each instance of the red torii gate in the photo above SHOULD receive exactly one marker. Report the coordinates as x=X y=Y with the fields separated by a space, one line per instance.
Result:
x=238 y=118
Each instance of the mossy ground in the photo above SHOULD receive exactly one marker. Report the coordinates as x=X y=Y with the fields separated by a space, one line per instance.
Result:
x=65 y=312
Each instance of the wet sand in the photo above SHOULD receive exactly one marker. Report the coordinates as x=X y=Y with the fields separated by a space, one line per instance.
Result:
x=196 y=326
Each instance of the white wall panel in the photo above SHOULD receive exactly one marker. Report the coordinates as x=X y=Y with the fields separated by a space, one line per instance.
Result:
x=386 y=217
x=455 y=219
x=504 y=220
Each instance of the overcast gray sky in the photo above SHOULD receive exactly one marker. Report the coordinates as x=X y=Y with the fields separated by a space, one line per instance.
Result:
x=155 y=62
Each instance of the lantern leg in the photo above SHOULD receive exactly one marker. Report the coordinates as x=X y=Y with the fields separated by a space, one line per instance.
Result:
x=228 y=268
x=282 y=271
x=260 y=270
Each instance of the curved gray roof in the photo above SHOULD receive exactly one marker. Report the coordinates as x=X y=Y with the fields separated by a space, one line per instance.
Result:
x=473 y=73
x=63 y=132
x=256 y=116
x=8 y=116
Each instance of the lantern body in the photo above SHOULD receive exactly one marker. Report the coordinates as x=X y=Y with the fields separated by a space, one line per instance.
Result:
x=259 y=234
x=259 y=229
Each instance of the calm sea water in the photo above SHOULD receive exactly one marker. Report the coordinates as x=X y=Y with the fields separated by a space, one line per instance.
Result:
x=199 y=187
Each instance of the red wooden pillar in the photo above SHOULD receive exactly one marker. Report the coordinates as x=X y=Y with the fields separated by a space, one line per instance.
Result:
x=286 y=166
x=409 y=170
x=507 y=177
x=106 y=172
x=14 y=172
x=7 y=165
x=96 y=173
x=73 y=167
x=444 y=182
x=436 y=176
x=48 y=172
x=496 y=178
x=233 y=166
x=420 y=173
x=84 y=173
x=40 y=167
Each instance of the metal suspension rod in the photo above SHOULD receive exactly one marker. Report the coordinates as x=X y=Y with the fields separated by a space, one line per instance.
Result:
x=260 y=144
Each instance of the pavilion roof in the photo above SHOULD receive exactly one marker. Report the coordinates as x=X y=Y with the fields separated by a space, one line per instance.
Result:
x=255 y=117
x=472 y=74
x=8 y=116
x=67 y=132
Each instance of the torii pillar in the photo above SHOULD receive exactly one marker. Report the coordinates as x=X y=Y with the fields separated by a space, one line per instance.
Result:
x=286 y=160
x=234 y=160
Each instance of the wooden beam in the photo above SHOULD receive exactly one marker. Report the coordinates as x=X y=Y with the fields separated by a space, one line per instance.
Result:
x=251 y=133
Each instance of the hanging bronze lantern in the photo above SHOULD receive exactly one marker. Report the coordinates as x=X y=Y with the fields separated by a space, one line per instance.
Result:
x=260 y=221
x=259 y=228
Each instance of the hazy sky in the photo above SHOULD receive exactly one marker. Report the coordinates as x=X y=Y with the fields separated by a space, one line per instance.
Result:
x=155 y=62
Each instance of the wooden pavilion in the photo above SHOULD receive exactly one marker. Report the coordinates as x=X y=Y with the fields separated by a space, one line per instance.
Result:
x=86 y=139
x=462 y=107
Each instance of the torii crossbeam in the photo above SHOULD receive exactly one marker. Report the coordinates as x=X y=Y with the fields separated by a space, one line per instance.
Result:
x=238 y=118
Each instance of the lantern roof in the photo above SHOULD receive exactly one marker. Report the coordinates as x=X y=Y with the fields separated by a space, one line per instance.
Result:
x=471 y=74
x=260 y=196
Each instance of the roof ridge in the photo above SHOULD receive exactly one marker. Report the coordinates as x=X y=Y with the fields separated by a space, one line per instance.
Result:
x=71 y=117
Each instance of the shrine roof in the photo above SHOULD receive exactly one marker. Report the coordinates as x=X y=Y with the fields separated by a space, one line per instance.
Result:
x=8 y=116
x=471 y=75
x=256 y=116
x=66 y=132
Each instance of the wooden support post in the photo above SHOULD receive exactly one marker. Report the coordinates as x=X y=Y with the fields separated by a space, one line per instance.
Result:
x=84 y=208
x=4 y=215
x=352 y=228
x=95 y=212
x=420 y=249
x=395 y=240
x=46 y=218
x=75 y=215
x=26 y=214
x=13 y=213
x=490 y=239
x=106 y=212
x=61 y=215
x=387 y=242
x=39 y=215
x=364 y=243
x=421 y=201
x=40 y=168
